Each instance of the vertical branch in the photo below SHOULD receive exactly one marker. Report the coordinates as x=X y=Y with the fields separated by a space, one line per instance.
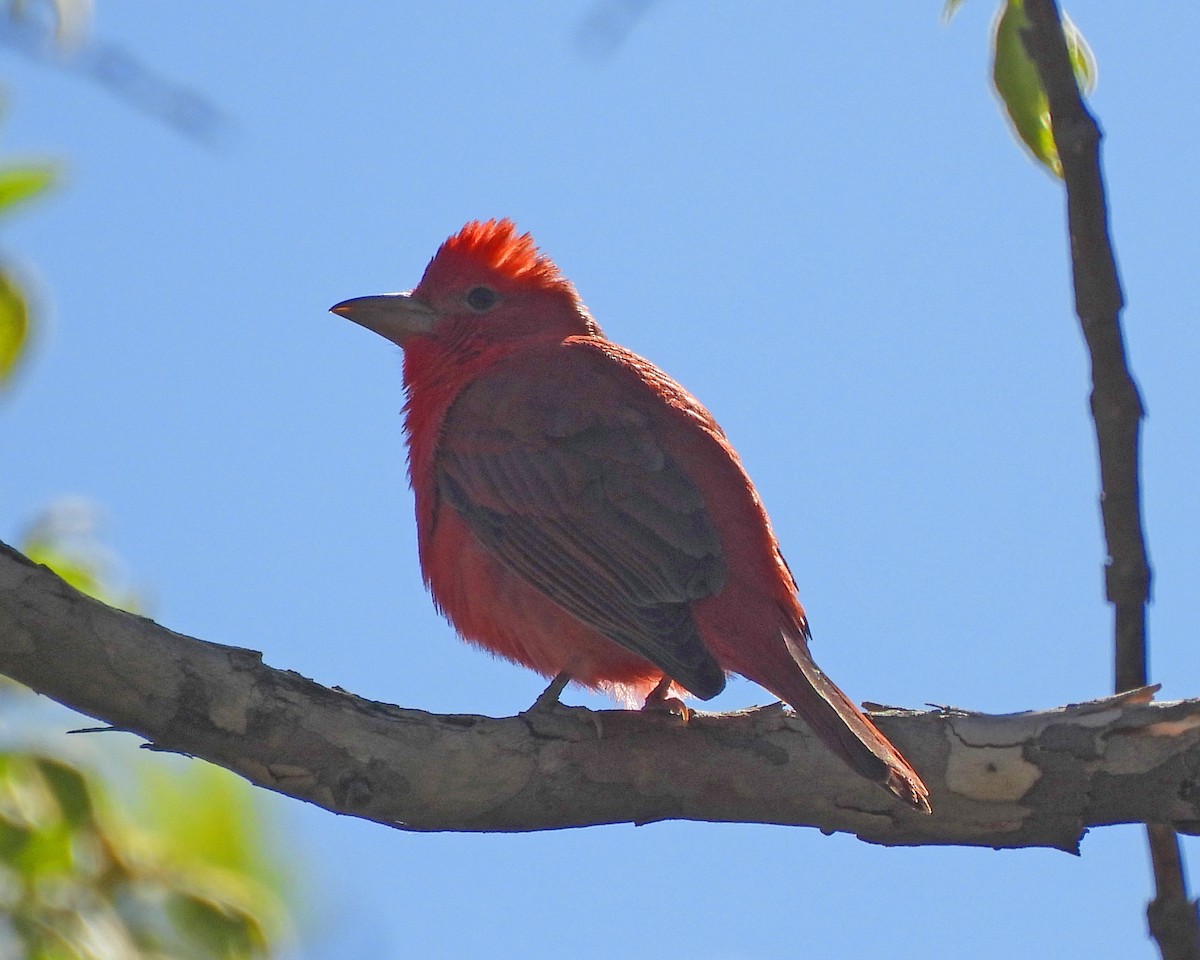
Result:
x=1116 y=405
x=1117 y=412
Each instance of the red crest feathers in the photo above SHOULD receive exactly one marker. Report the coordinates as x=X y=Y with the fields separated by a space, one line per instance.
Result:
x=497 y=245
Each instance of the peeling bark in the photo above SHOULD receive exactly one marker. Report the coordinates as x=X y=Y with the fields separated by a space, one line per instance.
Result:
x=1016 y=780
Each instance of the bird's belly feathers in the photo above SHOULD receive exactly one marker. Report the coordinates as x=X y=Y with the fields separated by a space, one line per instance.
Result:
x=496 y=609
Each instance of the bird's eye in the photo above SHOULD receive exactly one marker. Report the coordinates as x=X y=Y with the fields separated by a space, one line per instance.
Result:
x=480 y=299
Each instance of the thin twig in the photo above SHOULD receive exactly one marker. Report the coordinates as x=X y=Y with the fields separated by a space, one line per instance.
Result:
x=123 y=75
x=1117 y=411
x=609 y=24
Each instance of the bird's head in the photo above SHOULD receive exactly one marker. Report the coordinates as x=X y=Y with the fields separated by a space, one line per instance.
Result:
x=486 y=283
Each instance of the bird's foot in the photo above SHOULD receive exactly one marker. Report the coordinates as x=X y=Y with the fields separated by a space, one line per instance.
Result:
x=547 y=701
x=657 y=701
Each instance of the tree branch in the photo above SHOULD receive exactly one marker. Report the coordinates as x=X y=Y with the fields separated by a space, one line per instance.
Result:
x=1018 y=780
x=1117 y=411
x=1116 y=404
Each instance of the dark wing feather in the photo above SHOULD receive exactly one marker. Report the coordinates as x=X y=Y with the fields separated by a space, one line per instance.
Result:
x=567 y=485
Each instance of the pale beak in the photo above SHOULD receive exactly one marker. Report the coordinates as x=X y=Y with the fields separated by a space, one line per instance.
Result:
x=394 y=316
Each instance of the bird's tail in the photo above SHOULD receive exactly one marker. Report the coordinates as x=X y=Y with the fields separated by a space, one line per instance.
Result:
x=846 y=729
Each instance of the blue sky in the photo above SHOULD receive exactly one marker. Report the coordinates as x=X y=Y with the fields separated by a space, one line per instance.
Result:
x=813 y=217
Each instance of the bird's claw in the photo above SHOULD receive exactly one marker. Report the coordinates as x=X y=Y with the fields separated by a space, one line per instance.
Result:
x=659 y=702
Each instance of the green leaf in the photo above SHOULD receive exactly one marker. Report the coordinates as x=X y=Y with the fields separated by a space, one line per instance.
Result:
x=23 y=182
x=81 y=574
x=1020 y=88
x=14 y=324
x=79 y=880
x=1083 y=61
x=37 y=839
x=221 y=929
x=62 y=539
x=949 y=9
x=70 y=788
x=14 y=840
x=204 y=816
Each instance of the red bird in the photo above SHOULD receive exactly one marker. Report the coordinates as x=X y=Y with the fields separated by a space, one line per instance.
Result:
x=580 y=513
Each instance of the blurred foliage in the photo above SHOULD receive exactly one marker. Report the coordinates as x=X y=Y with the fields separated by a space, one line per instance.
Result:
x=63 y=537
x=204 y=814
x=1016 y=80
x=18 y=183
x=153 y=861
x=21 y=182
x=14 y=325
x=172 y=867
x=949 y=9
x=79 y=879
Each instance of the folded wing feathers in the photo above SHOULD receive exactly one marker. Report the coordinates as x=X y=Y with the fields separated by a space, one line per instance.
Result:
x=603 y=522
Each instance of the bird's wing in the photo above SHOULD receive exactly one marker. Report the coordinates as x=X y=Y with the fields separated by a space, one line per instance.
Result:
x=558 y=472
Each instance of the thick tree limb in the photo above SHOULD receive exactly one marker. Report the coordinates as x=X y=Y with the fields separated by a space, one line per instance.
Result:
x=1019 y=780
